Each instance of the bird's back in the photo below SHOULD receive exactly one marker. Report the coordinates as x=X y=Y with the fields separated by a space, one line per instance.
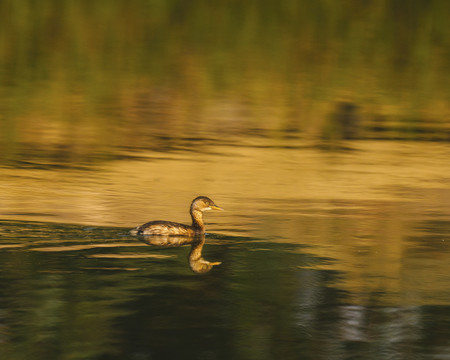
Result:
x=161 y=227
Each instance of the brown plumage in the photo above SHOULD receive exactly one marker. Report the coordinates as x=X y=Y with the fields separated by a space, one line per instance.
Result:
x=161 y=227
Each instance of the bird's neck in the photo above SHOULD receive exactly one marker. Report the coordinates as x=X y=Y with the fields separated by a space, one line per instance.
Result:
x=197 y=220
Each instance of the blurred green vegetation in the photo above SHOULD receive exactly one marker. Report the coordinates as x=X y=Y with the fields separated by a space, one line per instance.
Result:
x=93 y=75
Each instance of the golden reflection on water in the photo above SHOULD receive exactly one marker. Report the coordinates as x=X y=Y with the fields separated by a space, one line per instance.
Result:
x=81 y=247
x=378 y=212
x=247 y=179
x=130 y=256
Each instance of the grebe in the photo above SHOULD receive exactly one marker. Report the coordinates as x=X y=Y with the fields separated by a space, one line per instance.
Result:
x=161 y=227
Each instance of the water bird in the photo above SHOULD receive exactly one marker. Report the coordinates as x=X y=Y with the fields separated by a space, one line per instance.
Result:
x=162 y=227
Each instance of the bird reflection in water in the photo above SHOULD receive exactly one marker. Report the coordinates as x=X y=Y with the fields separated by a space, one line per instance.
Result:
x=196 y=262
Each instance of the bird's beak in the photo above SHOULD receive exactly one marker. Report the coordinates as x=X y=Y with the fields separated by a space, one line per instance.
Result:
x=215 y=207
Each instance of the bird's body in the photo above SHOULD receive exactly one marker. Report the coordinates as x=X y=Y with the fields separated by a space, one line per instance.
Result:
x=162 y=227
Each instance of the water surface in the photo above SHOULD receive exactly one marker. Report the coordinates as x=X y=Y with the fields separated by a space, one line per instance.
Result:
x=345 y=260
x=321 y=127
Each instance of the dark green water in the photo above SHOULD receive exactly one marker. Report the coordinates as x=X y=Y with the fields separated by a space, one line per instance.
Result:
x=77 y=292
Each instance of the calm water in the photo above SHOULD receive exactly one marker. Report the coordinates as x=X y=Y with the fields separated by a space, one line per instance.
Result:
x=347 y=260
x=321 y=127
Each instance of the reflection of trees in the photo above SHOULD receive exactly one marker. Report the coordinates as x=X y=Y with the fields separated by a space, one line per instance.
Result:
x=371 y=332
x=196 y=262
x=58 y=309
x=270 y=301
